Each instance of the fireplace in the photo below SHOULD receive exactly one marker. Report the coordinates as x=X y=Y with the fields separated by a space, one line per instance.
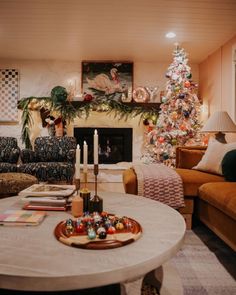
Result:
x=115 y=144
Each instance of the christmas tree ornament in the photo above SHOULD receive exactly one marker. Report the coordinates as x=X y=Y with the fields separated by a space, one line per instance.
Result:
x=161 y=139
x=181 y=95
x=187 y=84
x=188 y=75
x=146 y=122
x=91 y=234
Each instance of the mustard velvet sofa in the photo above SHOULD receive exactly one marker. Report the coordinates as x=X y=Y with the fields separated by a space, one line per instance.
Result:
x=208 y=196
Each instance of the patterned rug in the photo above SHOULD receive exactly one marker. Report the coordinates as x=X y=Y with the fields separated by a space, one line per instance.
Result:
x=206 y=265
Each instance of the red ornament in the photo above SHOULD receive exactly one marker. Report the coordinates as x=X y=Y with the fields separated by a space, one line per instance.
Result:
x=80 y=228
x=161 y=139
x=111 y=230
x=88 y=97
x=187 y=84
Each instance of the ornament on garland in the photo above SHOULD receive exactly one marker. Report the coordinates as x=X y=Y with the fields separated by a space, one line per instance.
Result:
x=178 y=122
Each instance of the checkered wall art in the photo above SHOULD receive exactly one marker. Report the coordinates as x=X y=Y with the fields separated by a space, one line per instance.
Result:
x=9 y=93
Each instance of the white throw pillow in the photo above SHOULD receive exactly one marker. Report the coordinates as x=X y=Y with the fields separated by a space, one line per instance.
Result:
x=211 y=161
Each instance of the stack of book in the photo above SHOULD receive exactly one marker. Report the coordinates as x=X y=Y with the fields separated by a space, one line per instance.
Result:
x=47 y=197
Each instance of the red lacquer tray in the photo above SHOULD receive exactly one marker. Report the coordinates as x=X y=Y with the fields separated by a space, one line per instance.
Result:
x=120 y=238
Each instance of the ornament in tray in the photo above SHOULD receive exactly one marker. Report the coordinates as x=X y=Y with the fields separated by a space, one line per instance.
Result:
x=98 y=231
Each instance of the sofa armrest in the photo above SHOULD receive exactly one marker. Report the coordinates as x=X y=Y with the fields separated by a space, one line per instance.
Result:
x=130 y=181
x=189 y=156
x=28 y=156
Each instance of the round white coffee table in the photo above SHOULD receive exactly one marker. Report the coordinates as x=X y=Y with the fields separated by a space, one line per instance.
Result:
x=33 y=259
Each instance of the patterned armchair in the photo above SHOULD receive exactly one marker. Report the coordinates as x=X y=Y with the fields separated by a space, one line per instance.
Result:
x=9 y=154
x=52 y=159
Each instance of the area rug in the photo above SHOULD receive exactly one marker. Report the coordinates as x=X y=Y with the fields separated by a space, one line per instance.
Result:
x=205 y=264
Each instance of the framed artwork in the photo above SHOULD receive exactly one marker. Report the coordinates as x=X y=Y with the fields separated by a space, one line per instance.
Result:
x=9 y=95
x=110 y=79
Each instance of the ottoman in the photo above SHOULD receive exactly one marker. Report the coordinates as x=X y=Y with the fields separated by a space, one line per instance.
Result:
x=12 y=183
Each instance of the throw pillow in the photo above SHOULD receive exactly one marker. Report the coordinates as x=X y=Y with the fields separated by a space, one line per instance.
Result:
x=229 y=166
x=212 y=159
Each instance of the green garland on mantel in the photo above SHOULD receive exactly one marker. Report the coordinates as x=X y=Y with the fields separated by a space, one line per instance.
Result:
x=69 y=110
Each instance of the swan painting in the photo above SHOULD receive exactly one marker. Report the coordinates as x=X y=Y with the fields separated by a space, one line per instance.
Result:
x=103 y=82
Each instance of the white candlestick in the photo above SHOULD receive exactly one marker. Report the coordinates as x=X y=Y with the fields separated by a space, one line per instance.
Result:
x=85 y=163
x=77 y=163
x=95 y=147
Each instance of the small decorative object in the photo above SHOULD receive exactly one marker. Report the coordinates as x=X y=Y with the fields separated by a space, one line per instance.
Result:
x=140 y=94
x=69 y=226
x=96 y=203
x=187 y=84
x=111 y=230
x=77 y=206
x=88 y=97
x=84 y=232
x=91 y=234
x=152 y=91
x=85 y=195
x=102 y=235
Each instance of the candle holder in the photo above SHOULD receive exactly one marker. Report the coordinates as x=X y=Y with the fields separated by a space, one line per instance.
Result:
x=96 y=203
x=85 y=194
x=77 y=185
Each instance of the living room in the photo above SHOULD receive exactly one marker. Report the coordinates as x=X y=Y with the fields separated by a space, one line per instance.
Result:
x=50 y=44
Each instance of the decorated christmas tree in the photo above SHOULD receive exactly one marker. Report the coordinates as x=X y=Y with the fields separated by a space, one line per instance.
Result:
x=178 y=122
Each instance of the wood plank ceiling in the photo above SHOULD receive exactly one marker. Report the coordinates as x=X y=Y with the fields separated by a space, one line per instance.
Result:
x=113 y=30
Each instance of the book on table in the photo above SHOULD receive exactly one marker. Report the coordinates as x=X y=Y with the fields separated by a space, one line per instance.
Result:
x=47 y=197
x=46 y=190
x=45 y=206
x=21 y=217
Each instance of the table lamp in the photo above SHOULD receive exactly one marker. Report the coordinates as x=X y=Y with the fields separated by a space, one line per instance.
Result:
x=219 y=123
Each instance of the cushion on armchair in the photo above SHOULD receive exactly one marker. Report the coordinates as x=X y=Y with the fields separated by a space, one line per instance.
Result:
x=9 y=150
x=28 y=156
x=55 y=149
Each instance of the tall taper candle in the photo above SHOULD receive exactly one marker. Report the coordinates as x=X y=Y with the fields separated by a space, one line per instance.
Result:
x=95 y=147
x=85 y=162
x=77 y=163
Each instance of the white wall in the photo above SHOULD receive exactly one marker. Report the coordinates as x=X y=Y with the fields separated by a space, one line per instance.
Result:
x=37 y=78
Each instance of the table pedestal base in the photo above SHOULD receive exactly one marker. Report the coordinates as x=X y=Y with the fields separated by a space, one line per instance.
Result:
x=165 y=278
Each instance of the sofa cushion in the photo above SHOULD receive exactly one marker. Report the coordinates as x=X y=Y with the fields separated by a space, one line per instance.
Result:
x=211 y=161
x=229 y=166
x=221 y=195
x=193 y=179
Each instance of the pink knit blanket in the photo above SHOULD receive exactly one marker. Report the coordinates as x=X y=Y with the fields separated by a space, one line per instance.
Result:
x=160 y=183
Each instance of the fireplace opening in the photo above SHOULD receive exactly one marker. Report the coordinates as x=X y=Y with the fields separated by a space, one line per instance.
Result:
x=114 y=145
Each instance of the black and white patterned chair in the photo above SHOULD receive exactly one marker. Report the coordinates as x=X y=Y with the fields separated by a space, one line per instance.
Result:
x=52 y=159
x=9 y=154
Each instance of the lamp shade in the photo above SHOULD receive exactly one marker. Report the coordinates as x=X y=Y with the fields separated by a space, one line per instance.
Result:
x=220 y=121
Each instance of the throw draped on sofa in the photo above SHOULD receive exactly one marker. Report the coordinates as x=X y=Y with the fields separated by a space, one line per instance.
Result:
x=52 y=159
